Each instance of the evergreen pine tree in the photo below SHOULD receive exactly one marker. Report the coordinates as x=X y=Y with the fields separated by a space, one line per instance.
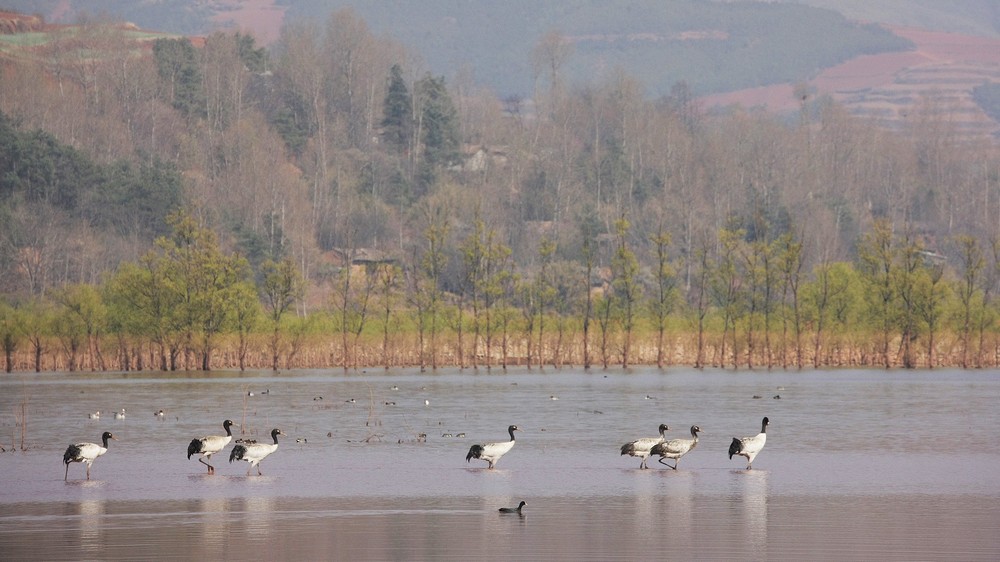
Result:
x=397 y=112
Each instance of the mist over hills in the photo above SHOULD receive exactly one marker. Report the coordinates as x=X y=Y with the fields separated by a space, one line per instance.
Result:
x=711 y=46
x=970 y=17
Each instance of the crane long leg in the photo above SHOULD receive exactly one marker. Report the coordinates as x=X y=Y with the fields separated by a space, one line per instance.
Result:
x=665 y=464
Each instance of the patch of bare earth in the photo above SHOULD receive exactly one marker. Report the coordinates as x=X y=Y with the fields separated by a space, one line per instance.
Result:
x=12 y=22
x=260 y=18
x=938 y=75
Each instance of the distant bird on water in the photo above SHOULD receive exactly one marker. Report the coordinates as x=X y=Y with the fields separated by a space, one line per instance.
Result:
x=120 y=415
x=256 y=452
x=209 y=445
x=95 y=415
x=676 y=448
x=640 y=447
x=86 y=453
x=513 y=509
x=491 y=452
x=749 y=447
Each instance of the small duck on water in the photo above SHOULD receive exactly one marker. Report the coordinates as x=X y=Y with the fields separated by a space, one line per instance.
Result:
x=513 y=509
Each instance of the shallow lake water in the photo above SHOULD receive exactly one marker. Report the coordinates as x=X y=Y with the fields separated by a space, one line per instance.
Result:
x=858 y=464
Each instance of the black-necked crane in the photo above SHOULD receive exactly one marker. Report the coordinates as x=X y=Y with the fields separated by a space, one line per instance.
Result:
x=749 y=447
x=255 y=452
x=676 y=448
x=209 y=445
x=86 y=453
x=491 y=452
x=640 y=447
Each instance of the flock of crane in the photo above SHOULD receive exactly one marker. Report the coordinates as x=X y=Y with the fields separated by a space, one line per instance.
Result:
x=253 y=452
x=646 y=447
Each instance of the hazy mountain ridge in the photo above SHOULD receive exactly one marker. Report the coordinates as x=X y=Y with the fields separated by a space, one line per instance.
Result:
x=967 y=17
x=741 y=45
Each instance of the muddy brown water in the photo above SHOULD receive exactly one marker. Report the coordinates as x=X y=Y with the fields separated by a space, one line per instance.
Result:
x=859 y=464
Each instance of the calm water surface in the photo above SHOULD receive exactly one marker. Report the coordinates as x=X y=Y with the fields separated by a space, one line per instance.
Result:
x=858 y=465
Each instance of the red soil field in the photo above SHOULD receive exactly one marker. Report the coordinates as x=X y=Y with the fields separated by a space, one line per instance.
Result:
x=945 y=63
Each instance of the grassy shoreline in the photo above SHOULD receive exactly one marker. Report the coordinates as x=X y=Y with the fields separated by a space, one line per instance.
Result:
x=679 y=349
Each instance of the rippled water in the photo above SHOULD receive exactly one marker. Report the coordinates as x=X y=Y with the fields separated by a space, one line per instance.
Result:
x=858 y=465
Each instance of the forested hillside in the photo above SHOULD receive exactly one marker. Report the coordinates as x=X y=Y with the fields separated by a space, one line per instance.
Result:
x=304 y=188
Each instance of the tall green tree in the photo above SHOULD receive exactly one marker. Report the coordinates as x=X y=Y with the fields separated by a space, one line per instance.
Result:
x=180 y=75
x=727 y=285
x=488 y=278
x=354 y=287
x=182 y=294
x=627 y=289
x=702 y=287
x=877 y=260
x=907 y=279
x=71 y=332
x=972 y=265
x=931 y=294
x=10 y=333
x=254 y=58
x=244 y=318
x=39 y=326
x=425 y=282
x=829 y=286
x=142 y=303
x=85 y=307
x=790 y=260
x=474 y=252
x=665 y=294
x=397 y=112
x=545 y=290
x=202 y=280
x=389 y=279
x=588 y=226
x=436 y=130
x=283 y=286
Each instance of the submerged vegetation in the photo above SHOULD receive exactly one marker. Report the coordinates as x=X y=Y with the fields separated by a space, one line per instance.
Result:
x=205 y=205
